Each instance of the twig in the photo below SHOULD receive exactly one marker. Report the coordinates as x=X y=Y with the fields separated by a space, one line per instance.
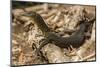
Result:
x=88 y=57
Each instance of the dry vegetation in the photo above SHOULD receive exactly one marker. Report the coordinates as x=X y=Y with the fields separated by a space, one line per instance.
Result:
x=59 y=18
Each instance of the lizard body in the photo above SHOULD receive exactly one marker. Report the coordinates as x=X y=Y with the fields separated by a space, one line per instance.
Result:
x=75 y=40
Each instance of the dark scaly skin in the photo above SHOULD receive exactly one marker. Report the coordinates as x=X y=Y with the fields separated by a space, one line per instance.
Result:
x=75 y=40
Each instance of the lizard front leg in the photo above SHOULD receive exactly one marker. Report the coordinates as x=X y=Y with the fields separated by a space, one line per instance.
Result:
x=42 y=44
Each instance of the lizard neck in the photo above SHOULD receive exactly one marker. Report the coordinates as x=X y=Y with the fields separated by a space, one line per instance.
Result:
x=41 y=24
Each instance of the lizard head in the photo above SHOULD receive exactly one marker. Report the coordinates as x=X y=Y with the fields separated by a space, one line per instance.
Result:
x=32 y=15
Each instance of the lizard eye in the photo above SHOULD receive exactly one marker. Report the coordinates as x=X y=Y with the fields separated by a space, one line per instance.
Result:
x=30 y=14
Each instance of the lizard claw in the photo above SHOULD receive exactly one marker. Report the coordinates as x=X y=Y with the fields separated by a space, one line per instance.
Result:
x=72 y=51
x=34 y=46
